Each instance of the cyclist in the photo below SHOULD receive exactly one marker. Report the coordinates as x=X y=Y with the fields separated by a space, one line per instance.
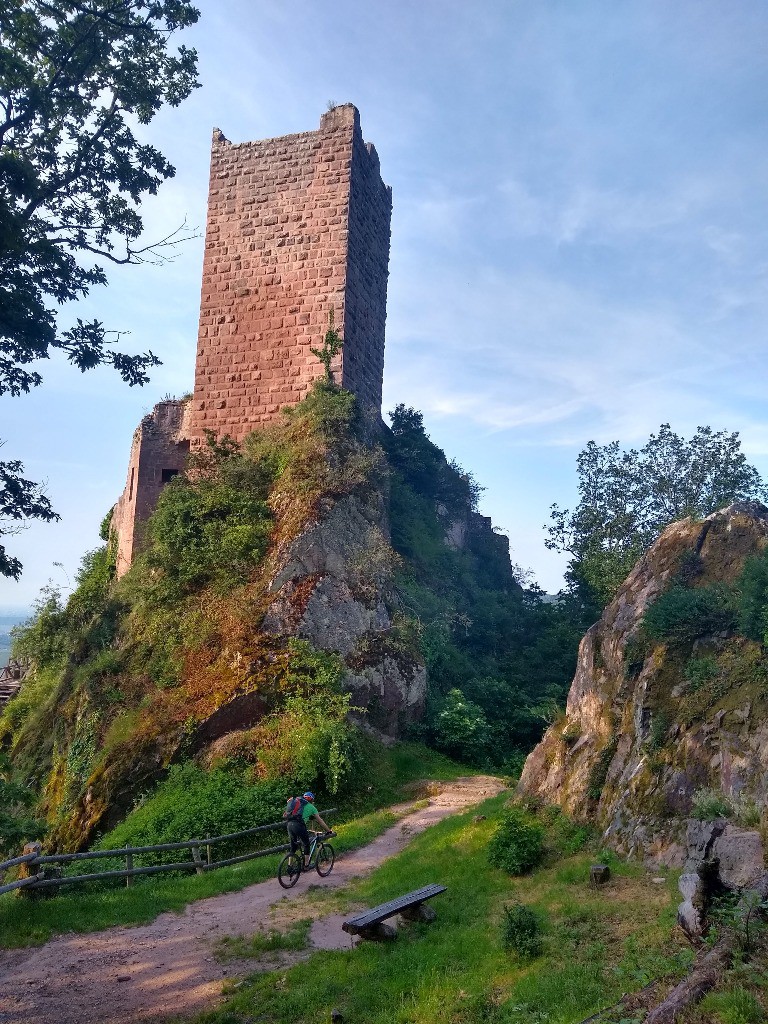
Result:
x=300 y=811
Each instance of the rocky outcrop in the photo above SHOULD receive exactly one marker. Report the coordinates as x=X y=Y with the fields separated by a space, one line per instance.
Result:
x=333 y=588
x=721 y=857
x=641 y=735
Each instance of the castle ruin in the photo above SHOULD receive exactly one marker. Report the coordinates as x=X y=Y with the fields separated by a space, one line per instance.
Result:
x=297 y=227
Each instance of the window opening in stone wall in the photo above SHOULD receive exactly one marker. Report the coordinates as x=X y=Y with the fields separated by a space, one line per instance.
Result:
x=168 y=474
x=130 y=485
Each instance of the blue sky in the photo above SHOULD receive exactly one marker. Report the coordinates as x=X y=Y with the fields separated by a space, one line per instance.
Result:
x=579 y=238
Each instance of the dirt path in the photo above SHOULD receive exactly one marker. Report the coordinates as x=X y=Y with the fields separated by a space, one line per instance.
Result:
x=150 y=972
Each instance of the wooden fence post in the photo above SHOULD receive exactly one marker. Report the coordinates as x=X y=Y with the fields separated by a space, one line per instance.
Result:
x=128 y=867
x=198 y=859
x=208 y=850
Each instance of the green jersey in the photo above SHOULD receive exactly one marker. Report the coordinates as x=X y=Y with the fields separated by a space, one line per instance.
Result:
x=307 y=811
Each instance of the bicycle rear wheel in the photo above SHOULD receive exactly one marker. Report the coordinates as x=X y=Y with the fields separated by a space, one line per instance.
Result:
x=325 y=859
x=289 y=870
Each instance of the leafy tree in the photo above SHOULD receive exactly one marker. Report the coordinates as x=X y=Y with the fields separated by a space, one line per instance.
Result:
x=425 y=468
x=461 y=729
x=20 y=499
x=76 y=76
x=627 y=497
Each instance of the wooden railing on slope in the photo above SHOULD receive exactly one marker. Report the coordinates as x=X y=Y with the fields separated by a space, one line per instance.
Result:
x=11 y=677
x=33 y=859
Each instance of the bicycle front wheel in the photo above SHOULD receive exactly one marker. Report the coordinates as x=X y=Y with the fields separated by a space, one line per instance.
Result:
x=289 y=870
x=325 y=859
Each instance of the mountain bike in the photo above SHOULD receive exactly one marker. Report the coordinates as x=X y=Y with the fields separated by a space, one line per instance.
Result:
x=321 y=858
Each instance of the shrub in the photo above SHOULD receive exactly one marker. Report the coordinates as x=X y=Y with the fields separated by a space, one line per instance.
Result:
x=680 y=615
x=517 y=845
x=660 y=725
x=192 y=803
x=753 y=598
x=709 y=804
x=700 y=671
x=571 y=734
x=210 y=527
x=521 y=930
x=564 y=834
x=689 y=567
x=747 y=812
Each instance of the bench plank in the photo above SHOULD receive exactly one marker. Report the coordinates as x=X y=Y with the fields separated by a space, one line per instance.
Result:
x=378 y=914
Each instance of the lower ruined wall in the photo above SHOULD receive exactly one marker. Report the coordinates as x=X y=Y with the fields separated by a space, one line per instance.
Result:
x=158 y=452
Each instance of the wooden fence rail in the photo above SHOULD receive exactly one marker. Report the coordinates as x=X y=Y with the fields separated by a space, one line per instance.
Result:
x=198 y=864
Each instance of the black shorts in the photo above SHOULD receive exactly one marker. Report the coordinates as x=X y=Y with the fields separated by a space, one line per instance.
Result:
x=297 y=831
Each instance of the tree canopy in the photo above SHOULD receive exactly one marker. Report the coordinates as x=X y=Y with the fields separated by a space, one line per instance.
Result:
x=626 y=498
x=76 y=79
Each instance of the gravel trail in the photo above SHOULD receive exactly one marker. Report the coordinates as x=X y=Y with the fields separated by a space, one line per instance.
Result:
x=150 y=972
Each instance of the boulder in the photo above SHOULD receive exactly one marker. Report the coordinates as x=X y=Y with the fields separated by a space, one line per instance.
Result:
x=740 y=855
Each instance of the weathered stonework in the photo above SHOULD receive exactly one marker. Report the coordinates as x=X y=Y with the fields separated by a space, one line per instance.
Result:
x=158 y=452
x=297 y=227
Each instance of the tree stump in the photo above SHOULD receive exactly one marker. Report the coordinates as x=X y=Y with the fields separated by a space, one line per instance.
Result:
x=599 y=874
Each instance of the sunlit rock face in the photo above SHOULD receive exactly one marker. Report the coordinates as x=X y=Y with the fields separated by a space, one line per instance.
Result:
x=640 y=738
x=333 y=588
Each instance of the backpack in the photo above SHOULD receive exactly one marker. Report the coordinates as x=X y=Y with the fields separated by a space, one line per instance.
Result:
x=294 y=807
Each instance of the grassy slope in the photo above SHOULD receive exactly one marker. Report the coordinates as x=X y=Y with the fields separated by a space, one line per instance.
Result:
x=600 y=944
x=86 y=907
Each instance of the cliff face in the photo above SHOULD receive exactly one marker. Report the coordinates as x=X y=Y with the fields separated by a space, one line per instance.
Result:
x=649 y=725
x=332 y=586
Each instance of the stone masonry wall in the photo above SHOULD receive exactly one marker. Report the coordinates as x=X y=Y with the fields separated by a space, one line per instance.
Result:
x=296 y=226
x=158 y=452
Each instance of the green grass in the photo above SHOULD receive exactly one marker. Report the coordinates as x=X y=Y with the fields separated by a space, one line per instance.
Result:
x=736 y=1006
x=598 y=943
x=233 y=947
x=25 y=922
x=412 y=762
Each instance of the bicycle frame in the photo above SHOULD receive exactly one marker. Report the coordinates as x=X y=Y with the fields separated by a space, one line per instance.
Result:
x=314 y=842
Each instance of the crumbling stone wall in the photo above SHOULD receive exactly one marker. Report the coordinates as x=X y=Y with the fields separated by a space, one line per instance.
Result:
x=158 y=452
x=297 y=226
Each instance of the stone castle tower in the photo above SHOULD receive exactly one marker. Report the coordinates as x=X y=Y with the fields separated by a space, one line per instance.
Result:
x=297 y=226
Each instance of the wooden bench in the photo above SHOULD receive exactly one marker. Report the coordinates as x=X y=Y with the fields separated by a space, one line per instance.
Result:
x=369 y=925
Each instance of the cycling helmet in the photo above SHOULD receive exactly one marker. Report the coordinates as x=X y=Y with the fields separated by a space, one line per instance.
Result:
x=309 y=796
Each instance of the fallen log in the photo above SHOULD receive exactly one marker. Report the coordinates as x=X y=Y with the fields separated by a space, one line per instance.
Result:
x=704 y=976
x=706 y=972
